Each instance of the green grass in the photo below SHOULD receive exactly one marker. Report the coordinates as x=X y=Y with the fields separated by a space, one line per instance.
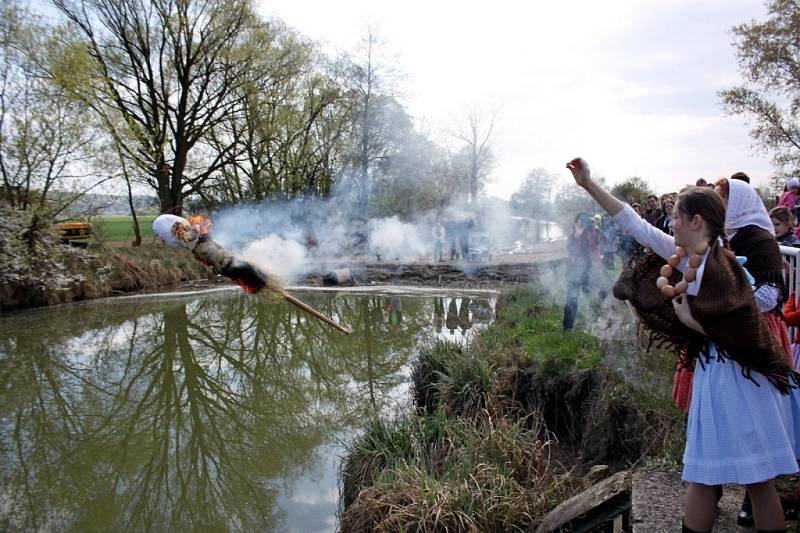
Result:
x=115 y=228
x=528 y=319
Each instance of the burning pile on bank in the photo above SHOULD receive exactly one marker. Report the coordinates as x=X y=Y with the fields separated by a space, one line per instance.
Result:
x=193 y=234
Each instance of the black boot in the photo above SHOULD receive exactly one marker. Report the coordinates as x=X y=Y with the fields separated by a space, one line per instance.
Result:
x=745 y=517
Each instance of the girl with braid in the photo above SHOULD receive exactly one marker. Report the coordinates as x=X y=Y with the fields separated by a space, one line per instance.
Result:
x=751 y=235
x=744 y=416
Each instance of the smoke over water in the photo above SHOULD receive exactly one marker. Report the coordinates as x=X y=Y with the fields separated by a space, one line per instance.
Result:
x=294 y=238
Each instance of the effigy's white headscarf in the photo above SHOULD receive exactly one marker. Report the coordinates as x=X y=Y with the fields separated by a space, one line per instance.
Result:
x=745 y=208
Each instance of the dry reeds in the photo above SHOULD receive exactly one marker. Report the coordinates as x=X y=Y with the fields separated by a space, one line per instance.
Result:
x=135 y=271
x=454 y=474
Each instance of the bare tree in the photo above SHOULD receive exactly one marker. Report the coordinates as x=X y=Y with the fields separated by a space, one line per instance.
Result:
x=475 y=131
x=161 y=74
x=374 y=84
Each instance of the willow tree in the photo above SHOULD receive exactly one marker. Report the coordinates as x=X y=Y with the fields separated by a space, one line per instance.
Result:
x=161 y=75
x=46 y=138
x=769 y=61
x=415 y=176
x=291 y=132
x=633 y=189
x=534 y=195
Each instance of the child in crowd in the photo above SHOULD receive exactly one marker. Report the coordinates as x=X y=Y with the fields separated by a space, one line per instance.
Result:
x=789 y=198
x=784 y=224
x=744 y=418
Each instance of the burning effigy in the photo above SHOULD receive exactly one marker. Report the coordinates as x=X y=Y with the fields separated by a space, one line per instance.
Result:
x=194 y=234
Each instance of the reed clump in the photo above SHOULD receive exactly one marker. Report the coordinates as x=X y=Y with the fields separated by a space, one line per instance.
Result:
x=481 y=473
x=475 y=453
x=151 y=265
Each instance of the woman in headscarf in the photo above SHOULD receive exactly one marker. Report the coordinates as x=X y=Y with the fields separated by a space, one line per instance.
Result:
x=752 y=235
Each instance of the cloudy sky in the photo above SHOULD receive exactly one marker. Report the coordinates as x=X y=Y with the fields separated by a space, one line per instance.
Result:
x=630 y=85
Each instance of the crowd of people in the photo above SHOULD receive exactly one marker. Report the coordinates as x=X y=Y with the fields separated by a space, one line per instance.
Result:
x=451 y=240
x=725 y=307
x=598 y=240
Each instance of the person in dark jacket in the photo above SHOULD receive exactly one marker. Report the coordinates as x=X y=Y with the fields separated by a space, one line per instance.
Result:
x=579 y=265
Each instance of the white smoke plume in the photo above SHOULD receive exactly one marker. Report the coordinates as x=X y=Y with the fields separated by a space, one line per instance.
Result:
x=392 y=239
x=295 y=238
x=284 y=258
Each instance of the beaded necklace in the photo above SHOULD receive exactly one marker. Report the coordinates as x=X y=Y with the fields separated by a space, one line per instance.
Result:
x=688 y=276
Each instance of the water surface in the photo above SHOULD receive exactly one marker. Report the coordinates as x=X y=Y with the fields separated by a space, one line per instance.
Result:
x=217 y=411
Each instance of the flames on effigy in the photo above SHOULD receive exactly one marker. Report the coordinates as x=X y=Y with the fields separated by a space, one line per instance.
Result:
x=194 y=234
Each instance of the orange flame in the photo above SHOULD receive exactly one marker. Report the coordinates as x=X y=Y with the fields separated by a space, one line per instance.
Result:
x=200 y=223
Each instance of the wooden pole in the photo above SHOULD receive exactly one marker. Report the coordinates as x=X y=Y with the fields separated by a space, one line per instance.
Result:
x=310 y=310
x=219 y=259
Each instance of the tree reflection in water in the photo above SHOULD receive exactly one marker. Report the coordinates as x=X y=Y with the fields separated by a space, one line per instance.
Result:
x=186 y=415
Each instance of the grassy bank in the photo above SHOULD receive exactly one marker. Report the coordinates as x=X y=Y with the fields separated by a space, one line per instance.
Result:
x=502 y=429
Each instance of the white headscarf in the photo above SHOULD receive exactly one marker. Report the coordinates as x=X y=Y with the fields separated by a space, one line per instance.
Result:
x=745 y=208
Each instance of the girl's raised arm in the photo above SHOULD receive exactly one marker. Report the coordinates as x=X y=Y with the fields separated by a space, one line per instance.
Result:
x=582 y=175
x=639 y=229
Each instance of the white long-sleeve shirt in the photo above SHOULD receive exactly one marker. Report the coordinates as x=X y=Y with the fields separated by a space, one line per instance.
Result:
x=664 y=245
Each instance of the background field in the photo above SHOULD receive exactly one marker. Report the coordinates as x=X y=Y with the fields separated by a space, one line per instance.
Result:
x=115 y=228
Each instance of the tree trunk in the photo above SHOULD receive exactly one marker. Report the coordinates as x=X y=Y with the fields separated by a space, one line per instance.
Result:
x=363 y=199
x=137 y=240
x=170 y=195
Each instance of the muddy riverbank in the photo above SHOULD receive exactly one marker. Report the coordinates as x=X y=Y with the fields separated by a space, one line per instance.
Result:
x=498 y=272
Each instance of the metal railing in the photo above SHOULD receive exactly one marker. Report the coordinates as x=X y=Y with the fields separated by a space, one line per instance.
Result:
x=792 y=255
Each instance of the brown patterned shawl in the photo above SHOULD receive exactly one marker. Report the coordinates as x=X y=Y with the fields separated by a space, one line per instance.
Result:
x=724 y=306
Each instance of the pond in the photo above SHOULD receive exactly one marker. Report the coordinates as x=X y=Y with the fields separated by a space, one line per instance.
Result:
x=213 y=411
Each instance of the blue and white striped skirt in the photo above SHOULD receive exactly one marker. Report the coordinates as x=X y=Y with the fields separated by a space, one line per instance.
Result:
x=739 y=432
